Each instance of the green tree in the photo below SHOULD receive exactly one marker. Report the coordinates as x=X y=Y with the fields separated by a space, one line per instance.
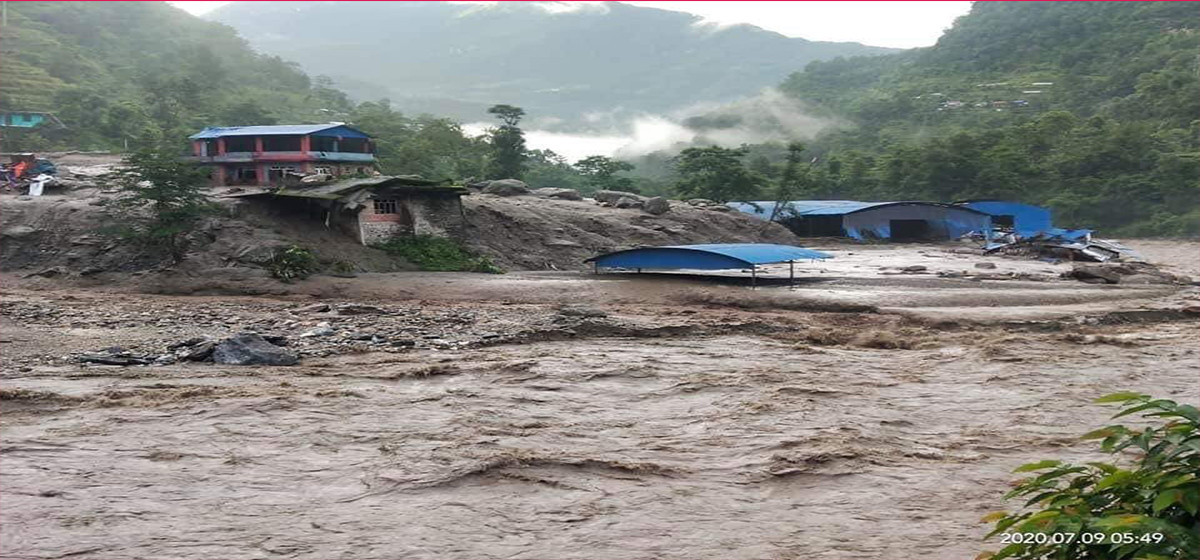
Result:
x=1107 y=511
x=508 y=144
x=716 y=173
x=600 y=172
x=161 y=200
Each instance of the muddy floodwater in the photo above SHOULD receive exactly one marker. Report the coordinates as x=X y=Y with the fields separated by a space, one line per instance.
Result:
x=570 y=416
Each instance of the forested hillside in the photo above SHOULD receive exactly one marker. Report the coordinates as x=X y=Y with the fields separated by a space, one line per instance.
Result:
x=136 y=72
x=1091 y=108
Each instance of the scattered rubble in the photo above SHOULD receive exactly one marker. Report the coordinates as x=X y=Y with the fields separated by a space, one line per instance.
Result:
x=1122 y=273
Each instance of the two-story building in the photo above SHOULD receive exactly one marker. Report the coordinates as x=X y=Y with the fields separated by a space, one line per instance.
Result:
x=264 y=155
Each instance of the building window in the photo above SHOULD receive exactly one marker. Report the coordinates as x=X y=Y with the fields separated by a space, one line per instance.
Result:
x=385 y=206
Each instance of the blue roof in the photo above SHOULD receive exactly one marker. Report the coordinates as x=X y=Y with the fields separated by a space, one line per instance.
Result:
x=1027 y=218
x=764 y=208
x=279 y=130
x=715 y=256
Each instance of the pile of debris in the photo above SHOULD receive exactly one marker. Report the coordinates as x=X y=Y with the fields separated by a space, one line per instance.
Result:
x=27 y=174
x=1058 y=244
x=242 y=349
x=1123 y=273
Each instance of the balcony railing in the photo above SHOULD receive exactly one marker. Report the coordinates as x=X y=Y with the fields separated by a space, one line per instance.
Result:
x=252 y=157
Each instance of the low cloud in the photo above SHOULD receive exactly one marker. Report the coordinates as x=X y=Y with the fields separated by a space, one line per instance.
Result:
x=769 y=116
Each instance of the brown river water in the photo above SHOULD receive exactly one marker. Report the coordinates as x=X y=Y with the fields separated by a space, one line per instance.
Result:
x=724 y=424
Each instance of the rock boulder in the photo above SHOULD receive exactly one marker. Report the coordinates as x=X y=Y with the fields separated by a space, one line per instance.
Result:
x=251 y=349
x=627 y=202
x=506 y=187
x=611 y=197
x=555 y=192
x=657 y=205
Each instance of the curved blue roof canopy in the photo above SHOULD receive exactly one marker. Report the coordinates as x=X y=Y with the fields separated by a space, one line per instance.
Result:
x=715 y=256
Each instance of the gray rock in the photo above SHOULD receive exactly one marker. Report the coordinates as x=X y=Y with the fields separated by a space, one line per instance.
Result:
x=1095 y=273
x=322 y=329
x=987 y=265
x=555 y=192
x=626 y=202
x=19 y=231
x=314 y=308
x=657 y=205
x=1144 y=279
x=197 y=353
x=506 y=187
x=250 y=349
x=914 y=268
x=561 y=243
x=611 y=197
x=359 y=309
x=719 y=208
x=580 y=311
x=700 y=202
x=115 y=360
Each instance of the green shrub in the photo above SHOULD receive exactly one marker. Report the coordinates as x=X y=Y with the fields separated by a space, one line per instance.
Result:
x=160 y=202
x=438 y=253
x=293 y=262
x=1101 y=511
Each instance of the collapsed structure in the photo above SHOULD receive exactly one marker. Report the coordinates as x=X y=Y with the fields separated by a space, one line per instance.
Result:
x=894 y=221
x=268 y=155
x=372 y=210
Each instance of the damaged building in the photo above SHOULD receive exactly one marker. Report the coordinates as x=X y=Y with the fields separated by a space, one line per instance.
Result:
x=891 y=221
x=1017 y=217
x=267 y=155
x=372 y=210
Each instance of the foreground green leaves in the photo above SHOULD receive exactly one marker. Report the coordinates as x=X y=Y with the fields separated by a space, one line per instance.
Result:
x=1101 y=511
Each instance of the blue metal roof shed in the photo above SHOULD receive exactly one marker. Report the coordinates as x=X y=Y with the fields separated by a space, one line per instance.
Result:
x=1025 y=219
x=876 y=220
x=714 y=256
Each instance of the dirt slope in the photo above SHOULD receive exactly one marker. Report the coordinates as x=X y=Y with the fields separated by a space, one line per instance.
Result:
x=531 y=233
x=59 y=235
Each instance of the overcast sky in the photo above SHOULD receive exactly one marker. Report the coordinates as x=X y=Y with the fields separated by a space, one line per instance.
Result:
x=885 y=24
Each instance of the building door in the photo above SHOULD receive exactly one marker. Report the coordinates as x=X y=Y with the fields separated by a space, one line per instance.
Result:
x=911 y=230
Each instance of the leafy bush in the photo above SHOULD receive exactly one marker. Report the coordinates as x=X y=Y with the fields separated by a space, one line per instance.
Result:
x=292 y=262
x=438 y=253
x=161 y=200
x=1100 y=511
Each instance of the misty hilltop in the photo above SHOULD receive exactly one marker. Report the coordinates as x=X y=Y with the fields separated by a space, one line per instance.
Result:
x=573 y=63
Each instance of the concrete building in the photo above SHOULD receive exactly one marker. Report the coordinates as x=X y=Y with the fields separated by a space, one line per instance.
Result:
x=266 y=155
x=371 y=210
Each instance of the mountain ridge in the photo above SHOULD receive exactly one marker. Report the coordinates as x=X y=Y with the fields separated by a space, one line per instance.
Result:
x=563 y=65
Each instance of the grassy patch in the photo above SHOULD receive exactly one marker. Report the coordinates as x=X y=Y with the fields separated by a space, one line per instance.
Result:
x=438 y=253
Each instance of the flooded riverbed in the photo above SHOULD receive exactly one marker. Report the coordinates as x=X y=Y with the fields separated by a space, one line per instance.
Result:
x=705 y=426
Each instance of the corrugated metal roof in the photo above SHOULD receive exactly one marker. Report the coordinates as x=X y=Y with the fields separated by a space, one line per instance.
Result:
x=271 y=130
x=764 y=208
x=339 y=189
x=714 y=256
